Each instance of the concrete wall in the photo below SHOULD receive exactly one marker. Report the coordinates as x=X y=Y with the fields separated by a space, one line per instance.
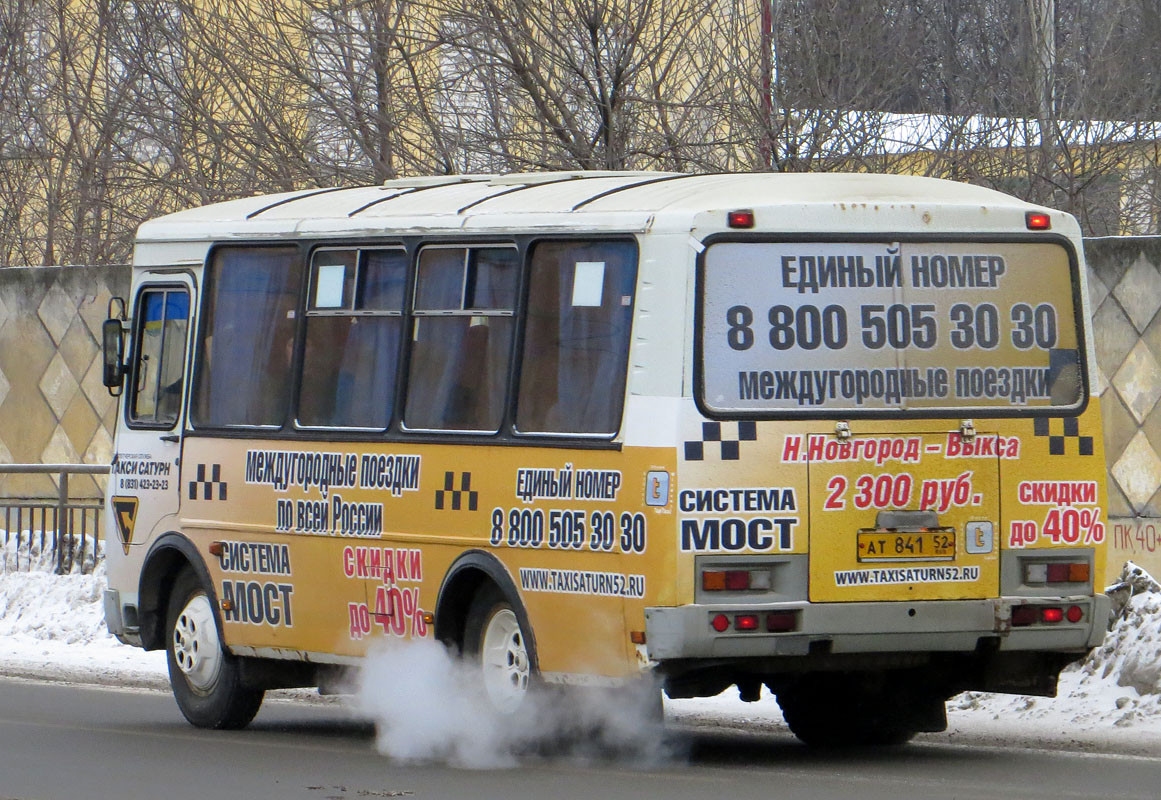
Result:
x=1125 y=289
x=53 y=407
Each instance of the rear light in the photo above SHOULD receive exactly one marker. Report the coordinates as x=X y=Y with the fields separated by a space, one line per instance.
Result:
x=735 y=580
x=781 y=621
x=742 y=218
x=1023 y=615
x=1036 y=572
x=746 y=622
x=1037 y=221
x=775 y=622
x=1050 y=615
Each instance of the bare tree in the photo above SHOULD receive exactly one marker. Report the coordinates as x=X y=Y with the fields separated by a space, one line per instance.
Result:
x=592 y=84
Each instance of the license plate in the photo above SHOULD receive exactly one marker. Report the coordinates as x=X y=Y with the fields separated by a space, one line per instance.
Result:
x=880 y=545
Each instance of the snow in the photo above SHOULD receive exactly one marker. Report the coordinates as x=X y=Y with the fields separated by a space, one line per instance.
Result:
x=52 y=628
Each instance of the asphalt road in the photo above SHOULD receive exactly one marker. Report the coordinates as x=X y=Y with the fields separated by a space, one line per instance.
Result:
x=61 y=742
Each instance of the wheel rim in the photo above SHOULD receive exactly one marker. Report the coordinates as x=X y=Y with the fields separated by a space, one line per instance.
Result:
x=196 y=648
x=504 y=660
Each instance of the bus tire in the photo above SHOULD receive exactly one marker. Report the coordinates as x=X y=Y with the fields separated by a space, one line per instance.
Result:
x=206 y=679
x=496 y=642
x=826 y=714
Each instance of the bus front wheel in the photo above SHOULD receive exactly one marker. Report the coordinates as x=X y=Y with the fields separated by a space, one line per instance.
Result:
x=494 y=638
x=206 y=680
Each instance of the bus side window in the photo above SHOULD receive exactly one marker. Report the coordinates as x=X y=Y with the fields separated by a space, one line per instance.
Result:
x=243 y=373
x=461 y=338
x=354 y=323
x=576 y=338
x=160 y=361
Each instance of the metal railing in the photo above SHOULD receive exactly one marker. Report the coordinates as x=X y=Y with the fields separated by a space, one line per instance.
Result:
x=63 y=533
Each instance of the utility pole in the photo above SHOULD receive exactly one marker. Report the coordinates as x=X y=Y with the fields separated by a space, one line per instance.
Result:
x=768 y=65
x=1042 y=19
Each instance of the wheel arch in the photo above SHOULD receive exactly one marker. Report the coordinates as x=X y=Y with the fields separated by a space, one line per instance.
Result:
x=463 y=580
x=167 y=556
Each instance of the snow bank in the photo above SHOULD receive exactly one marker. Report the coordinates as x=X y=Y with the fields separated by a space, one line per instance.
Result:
x=53 y=626
x=1119 y=683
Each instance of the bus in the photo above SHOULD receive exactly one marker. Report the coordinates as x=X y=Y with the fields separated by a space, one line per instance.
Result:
x=834 y=435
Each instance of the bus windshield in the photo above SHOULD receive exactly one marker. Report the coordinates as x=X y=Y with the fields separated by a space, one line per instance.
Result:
x=883 y=328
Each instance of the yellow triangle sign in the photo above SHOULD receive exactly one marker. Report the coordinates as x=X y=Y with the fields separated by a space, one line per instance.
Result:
x=125 y=514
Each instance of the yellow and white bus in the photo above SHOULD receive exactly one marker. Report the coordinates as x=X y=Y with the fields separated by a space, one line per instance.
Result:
x=831 y=434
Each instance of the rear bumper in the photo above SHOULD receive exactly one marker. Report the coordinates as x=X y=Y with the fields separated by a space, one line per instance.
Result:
x=684 y=632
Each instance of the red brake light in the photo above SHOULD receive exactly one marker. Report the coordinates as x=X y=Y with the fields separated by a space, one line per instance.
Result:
x=743 y=218
x=1058 y=573
x=1037 y=221
x=1052 y=614
x=746 y=622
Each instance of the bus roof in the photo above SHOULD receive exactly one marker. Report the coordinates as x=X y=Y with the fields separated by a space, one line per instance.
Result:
x=625 y=201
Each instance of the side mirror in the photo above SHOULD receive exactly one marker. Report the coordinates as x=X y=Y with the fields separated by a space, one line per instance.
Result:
x=113 y=347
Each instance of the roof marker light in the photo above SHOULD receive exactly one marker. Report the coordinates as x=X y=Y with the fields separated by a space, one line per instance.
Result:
x=742 y=218
x=1037 y=221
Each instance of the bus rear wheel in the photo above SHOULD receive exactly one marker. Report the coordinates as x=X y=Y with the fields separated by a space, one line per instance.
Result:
x=494 y=638
x=841 y=713
x=206 y=680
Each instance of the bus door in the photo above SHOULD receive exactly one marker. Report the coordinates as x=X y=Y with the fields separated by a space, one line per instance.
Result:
x=145 y=479
x=904 y=516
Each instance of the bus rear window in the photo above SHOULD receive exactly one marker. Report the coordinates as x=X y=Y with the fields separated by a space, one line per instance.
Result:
x=877 y=328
